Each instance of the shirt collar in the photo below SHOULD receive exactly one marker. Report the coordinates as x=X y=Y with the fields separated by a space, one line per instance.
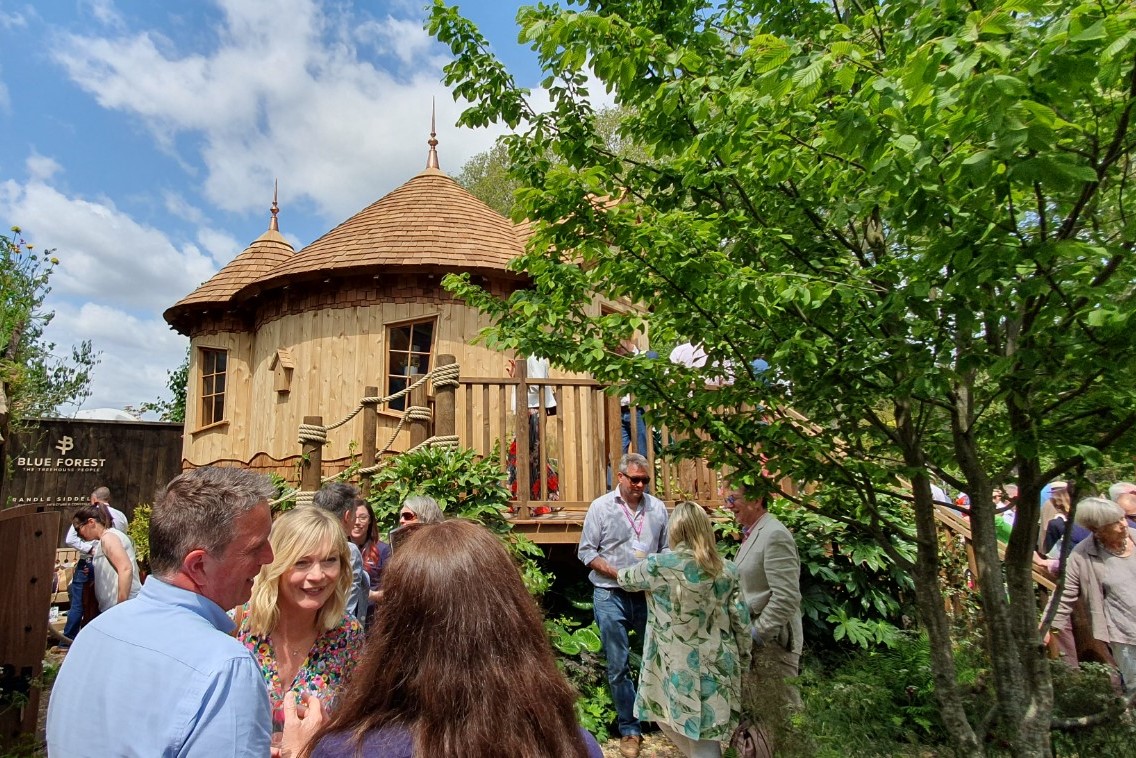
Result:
x=193 y=602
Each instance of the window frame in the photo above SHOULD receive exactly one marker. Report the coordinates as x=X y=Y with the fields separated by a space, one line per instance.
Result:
x=390 y=352
x=207 y=401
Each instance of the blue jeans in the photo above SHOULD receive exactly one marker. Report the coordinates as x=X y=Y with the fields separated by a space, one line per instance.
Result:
x=640 y=428
x=79 y=581
x=618 y=612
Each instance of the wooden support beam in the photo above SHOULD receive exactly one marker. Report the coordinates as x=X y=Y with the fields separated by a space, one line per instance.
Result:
x=368 y=449
x=445 y=403
x=311 y=463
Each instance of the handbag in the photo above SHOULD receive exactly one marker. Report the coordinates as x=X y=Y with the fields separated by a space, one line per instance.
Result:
x=750 y=740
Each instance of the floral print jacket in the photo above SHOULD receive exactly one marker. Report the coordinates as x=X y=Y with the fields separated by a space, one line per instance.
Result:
x=697 y=644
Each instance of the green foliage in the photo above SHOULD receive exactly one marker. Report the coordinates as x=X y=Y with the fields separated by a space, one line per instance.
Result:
x=851 y=589
x=1086 y=691
x=177 y=381
x=915 y=212
x=34 y=382
x=877 y=702
x=465 y=486
x=138 y=530
x=582 y=662
x=487 y=175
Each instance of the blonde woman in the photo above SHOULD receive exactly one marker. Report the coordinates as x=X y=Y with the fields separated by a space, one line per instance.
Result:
x=698 y=641
x=296 y=624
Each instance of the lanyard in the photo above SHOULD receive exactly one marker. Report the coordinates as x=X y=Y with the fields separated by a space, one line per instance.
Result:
x=632 y=520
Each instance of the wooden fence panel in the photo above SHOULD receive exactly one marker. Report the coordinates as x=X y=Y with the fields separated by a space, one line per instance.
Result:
x=27 y=542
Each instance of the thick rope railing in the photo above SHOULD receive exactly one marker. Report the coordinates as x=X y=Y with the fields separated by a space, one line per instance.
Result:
x=316 y=434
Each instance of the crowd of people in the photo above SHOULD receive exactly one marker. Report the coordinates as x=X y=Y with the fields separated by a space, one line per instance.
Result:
x=248 y=636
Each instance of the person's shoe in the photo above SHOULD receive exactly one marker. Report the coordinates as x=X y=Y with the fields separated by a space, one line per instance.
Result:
x=629 y=745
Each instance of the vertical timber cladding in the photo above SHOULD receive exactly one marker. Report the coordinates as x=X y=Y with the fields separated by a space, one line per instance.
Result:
x=57 y=463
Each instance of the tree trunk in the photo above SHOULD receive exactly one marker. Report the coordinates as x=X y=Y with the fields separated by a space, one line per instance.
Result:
x=929 y=596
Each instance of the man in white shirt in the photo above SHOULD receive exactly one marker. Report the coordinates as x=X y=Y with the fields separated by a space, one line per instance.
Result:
x=82 y=574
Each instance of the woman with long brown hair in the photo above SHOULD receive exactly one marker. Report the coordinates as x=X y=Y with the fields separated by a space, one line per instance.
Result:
x=457 y=662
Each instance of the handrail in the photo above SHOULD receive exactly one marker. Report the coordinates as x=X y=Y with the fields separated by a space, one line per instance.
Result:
x=960 y=526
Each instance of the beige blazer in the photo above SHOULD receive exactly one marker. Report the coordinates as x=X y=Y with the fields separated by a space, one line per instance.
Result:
x=770 y=574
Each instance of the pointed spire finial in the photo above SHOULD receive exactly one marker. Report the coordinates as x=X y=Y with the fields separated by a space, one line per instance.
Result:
x=432 y=157
x=273 y=224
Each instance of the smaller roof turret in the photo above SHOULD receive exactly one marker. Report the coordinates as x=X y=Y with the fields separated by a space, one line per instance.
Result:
x=267 y=252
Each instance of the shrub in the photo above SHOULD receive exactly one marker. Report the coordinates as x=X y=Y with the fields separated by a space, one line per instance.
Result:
x=465 y=486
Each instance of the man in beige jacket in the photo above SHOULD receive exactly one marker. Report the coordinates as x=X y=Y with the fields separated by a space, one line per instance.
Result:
x=770 y=573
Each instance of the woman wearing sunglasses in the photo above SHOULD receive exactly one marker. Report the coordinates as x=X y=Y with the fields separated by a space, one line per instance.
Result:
x=420 y=509
x=479 y=679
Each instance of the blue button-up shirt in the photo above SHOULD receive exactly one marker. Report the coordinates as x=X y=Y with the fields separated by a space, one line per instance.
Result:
x=608 y=532
x=159 y=675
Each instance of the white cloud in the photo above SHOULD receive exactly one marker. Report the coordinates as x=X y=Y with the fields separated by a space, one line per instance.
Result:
x=135 y=355
x=285 y=93
x=103 y=12
x=222 y=247
x=105 y=255
x=406 y=38
x=176 y=204
x=41 y=168
x=15 y=19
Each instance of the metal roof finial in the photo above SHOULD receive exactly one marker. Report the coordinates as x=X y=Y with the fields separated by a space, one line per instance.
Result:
x=273 y=225
x=432 y=157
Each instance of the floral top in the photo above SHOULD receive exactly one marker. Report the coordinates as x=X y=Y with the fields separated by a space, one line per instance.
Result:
x=330 y=659
x=697 y=645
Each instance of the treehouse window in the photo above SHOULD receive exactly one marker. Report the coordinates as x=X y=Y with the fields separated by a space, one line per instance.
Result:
x=408 y=356
x=213 y=366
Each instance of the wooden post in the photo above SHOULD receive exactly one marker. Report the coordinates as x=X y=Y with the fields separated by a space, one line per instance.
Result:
x=312 y=459
x=419 y=428
x=614 y=444
x=368 y=450
x=524 y=485
x=445 y=403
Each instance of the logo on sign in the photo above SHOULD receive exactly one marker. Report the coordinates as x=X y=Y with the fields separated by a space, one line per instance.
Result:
x=64 y=462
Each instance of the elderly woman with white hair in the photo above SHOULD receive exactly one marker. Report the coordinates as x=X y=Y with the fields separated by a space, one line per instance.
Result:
x=1102 y=574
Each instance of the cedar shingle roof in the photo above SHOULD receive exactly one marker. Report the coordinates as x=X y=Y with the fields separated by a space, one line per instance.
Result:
x=265 y=254
x=430 y=222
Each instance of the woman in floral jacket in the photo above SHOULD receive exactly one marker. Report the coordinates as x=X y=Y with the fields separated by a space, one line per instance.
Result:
x=698 y=641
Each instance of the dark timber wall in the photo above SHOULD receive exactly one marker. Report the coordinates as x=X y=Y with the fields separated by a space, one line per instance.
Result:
x=58 y=462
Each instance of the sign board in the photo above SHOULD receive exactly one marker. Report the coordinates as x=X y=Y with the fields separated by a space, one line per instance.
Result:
x=59 y=462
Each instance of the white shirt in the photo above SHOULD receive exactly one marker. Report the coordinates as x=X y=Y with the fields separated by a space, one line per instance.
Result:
x=86 y=547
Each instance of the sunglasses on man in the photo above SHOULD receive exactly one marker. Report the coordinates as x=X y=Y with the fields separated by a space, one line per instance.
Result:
x=636 y=479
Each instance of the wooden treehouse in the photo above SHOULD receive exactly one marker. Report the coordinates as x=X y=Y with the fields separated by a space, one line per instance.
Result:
x=280 y=338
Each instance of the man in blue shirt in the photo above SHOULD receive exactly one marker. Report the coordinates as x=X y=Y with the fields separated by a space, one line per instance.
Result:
x=160 y=675
x=620 y=529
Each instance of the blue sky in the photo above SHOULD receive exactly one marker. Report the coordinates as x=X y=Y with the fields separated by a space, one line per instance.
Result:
x=141 y=140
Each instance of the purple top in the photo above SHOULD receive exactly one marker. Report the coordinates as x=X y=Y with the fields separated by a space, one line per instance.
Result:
x=398 y=742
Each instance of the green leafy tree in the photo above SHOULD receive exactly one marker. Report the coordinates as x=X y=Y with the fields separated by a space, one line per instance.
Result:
x=487 y=175
x=917 y=212
x=34 y=382
x=177 y=381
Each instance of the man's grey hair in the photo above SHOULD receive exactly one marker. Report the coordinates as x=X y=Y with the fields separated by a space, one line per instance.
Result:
x=1120 y=488
x=101 y=495
x=197 y=510
x=632 y=459
x=1095 y=512
x=425 y=508
x=337 y=498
